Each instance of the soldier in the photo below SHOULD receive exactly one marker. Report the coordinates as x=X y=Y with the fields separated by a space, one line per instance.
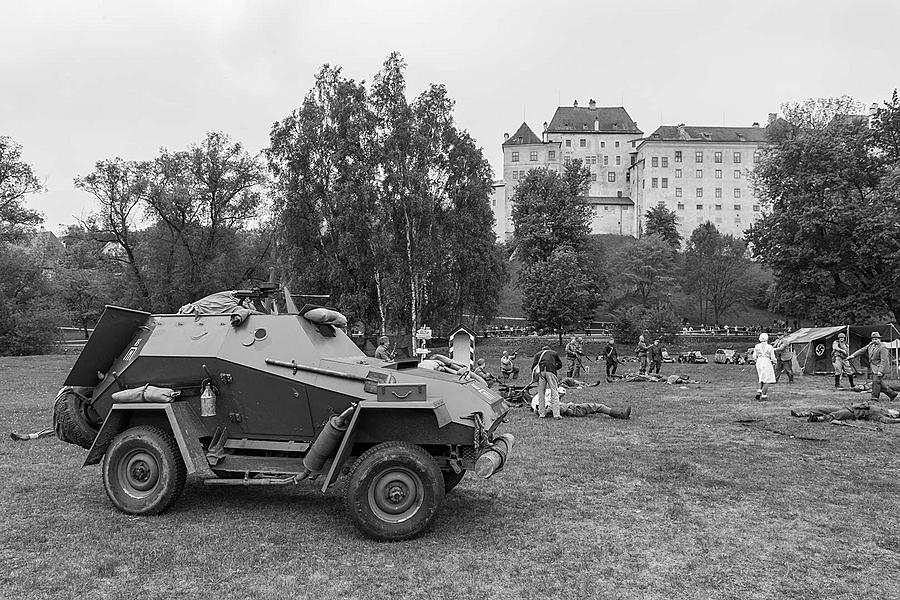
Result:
x=574 y=352
x=858 y=412
x=508 y=370
x=546 y=365
x=641 y=351
x=582 y=409
x=879 y=360
x=784 y=356
x=612 y=359
x=382 y=352
x=839 y=360
x=481 y=371
x=655 y=356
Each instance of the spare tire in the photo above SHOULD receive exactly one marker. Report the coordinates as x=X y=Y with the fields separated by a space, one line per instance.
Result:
x=74 y=420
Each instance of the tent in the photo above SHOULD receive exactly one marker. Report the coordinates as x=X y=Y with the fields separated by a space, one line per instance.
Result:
x=812 y=345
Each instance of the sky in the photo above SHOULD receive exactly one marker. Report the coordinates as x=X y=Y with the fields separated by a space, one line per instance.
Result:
x=83 y=81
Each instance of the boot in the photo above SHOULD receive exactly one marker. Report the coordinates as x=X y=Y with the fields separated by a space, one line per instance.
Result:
x=850 y=378
x=837 y=382
x=620 y=413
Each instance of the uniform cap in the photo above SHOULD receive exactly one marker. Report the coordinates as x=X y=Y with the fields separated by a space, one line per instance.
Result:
x=876 y=335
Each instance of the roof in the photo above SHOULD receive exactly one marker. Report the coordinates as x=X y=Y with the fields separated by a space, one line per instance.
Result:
x=611 y=200
x=810 y=334
x=523 y=135
x=610 y=119
x=463 y=328
x=700 y=133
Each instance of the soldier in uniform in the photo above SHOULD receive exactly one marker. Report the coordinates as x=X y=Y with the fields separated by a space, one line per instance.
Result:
x=612 y=359
x=574 y=352
x=655 y=356
x=784 y=356
x=382 y=352
x=508 y=370
x=642 y=351
x=840 y=352
x=854 y=412
x=879 y=360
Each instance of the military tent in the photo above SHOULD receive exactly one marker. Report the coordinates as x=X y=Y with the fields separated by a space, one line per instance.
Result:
x=812 y=345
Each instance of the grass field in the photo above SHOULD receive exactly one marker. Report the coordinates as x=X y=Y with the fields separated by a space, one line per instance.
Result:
x=703 y=494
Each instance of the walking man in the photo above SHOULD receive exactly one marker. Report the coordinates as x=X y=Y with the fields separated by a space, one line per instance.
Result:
x=642 y=351
x=612 y=359
x=547 y=364
x=784 y=356
x=840 y=352
x=879 y=360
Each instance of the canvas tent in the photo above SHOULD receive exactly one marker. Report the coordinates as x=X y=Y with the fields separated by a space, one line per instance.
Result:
x=812 y=345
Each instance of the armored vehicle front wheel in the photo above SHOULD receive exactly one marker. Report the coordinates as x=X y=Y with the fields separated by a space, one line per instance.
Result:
x=143 y=472
x=452 y=479
x=394 y=490
x=74 y=420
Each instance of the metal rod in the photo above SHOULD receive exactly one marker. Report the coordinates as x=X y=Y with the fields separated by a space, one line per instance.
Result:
x=295 y=367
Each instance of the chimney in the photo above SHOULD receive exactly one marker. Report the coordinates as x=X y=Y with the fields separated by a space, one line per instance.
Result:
x=592 y=104
x=505 y=136
x=756 y=123
x=575 y=103
x=772 y=117
x=544 y=134
x=545 y=125
x=596 y=124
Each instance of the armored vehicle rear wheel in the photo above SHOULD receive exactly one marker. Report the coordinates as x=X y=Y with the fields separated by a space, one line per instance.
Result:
x=452 y=479
x=143 y=472
x=394 y=490
x=74 y=421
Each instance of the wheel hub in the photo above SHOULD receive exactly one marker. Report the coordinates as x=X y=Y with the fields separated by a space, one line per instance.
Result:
x=138 y=473
x=396 y=495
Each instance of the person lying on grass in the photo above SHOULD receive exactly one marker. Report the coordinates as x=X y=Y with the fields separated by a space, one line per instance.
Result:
x=854 y=412
x=582 y=409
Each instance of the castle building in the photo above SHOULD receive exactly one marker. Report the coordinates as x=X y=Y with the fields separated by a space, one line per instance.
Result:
x=699 y=173
x=603 y=138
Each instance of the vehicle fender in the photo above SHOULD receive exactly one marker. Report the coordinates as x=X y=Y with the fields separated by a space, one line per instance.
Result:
x=436 y=405
x=181 y=419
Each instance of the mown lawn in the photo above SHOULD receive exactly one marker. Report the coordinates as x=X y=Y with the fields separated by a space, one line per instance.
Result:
x=703 y=494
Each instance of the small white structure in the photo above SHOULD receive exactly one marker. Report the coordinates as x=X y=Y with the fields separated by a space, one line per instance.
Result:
x=462 y=345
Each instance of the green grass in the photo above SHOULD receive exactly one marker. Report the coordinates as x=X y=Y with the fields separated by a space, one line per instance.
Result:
x=683 y=501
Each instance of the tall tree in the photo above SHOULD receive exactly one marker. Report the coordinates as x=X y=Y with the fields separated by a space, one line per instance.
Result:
x=648 y=266
x=663 y=222
x=715 y=272
x=17 y=180
x=831 y=216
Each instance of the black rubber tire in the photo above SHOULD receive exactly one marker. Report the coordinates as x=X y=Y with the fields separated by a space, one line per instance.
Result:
x=74 y=421
x=404 y=469
x=143 y=472
x=452 y=479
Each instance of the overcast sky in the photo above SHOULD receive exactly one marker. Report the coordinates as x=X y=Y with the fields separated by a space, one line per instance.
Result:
x=83 y=81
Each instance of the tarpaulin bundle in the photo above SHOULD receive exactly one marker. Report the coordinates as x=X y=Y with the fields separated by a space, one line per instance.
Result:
x=147 y=393
x=220 y=303
x=325 y=316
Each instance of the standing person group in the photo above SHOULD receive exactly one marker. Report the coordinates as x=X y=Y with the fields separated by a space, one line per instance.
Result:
x=574 y=352
x=546 y=365
x=765 y=356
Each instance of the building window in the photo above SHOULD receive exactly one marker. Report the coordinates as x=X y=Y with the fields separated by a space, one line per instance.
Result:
x=617 y=144
x=698 y=157
x=737 y=220
x=737 y=173
x=678 y=156
x=533 y=157
x=551 y=155
x=611 y=177
x=661 y=204
x=737 y=192
x=593 y=177
x=515 y=157
x=677 y=173
x=699 y=207
x=493 y=202
x=737 y=157
x=568 y=143
x=665 y=161
x=717 y=157
x=582 y=142
x=654 y=183
x=619 y=193
x=568 y=160
x=718 y=219
x=605 y=160
x=718 y=207
x=678 y=192
x=756 y=208
x=602 y=144
x=624 y=208
x=515 y=174
x=718 y=192
x=665 y=182
x=737 y=207
x=632 y=144
x=618 y=161
x=680 y=206
x=699 y=192
x=718 y=173
x=633 y=158
x=757 y=155
x=698 y=173
x=654 y=162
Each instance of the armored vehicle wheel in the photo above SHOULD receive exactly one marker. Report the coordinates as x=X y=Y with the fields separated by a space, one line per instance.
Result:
x=143 y=472
x=74 y=421
x=394 y=490
x=452 y=479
